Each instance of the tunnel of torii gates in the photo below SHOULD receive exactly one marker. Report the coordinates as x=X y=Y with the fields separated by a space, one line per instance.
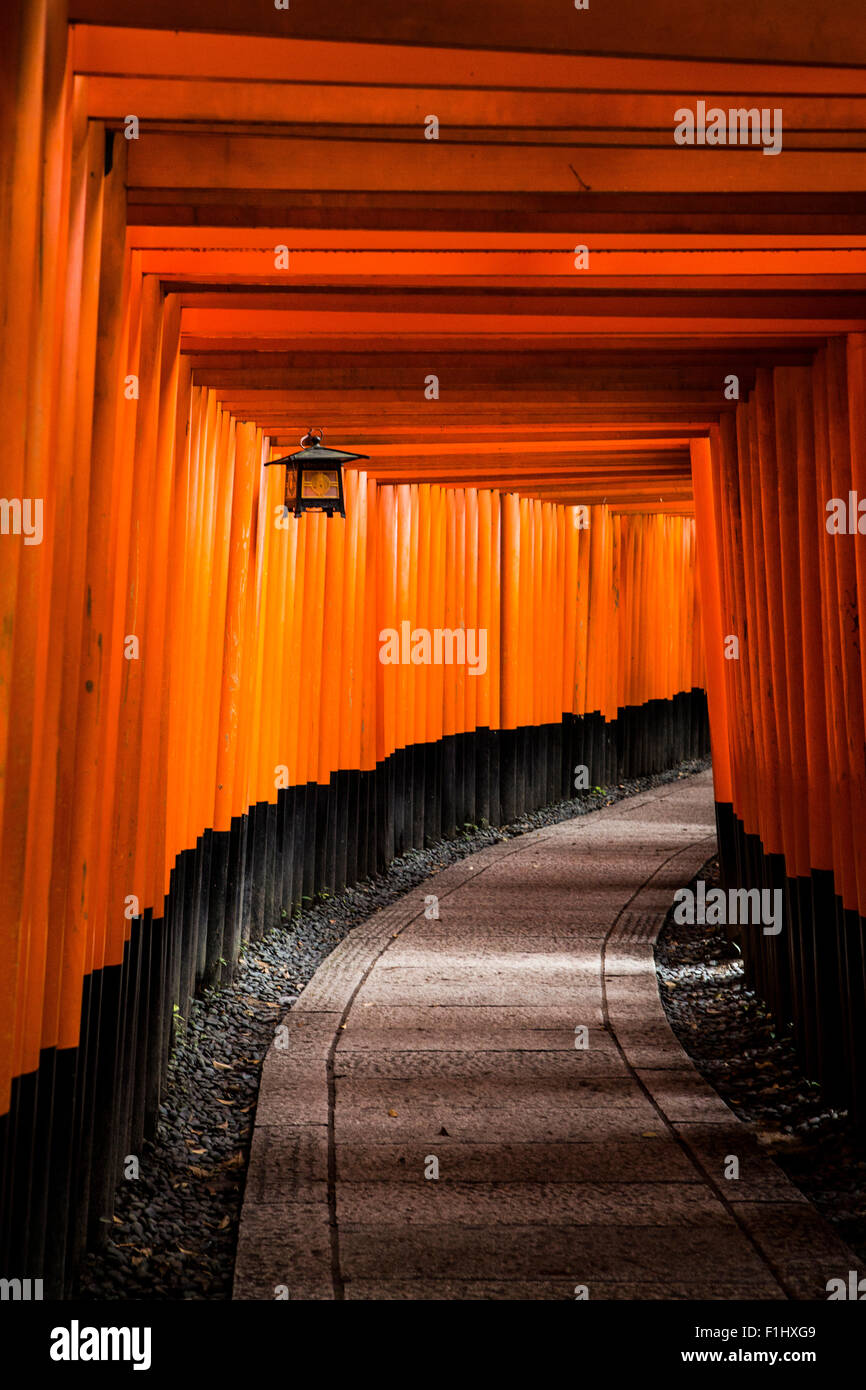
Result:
x=615 y=462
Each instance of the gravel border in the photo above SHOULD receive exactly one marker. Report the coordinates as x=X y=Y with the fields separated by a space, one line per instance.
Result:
x=749 y=1058
x=174 y=1232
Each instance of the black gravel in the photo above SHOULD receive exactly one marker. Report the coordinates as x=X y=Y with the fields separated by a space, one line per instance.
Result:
x=174 y=1231
x=749 y=1057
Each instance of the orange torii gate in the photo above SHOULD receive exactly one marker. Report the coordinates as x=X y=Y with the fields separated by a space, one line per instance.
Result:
x=196 y=727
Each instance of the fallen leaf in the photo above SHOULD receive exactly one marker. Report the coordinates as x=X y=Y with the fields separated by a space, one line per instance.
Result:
x=393 y=1113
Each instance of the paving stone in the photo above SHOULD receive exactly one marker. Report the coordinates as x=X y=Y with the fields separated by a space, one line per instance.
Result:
x=454 y=1038
x=488 y=928
x=287 y=1162
x=651 y=1159
x=302 y=1035
x=511 y=1093
x=496 y=991
x=440 y=971
x=496 y=1067
x=403 y=1122
x=302 y=1101
x=524 y=1204
x=684 y=1095
x=796 y=1238
x=445 y=953
x=582 y=1253
x=284 y=1246
x=555 y=1290
x=712 y=1145
x=489 y=1018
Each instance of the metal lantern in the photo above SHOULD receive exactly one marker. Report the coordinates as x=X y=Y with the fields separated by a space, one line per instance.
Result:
x=314 y=477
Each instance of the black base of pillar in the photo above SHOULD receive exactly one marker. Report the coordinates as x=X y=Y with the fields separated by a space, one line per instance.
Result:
x=812 y=972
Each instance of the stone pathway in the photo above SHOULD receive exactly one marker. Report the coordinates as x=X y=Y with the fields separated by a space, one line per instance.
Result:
x=449 y=1044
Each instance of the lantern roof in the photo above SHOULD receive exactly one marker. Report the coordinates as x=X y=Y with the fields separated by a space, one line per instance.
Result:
x=315 y=454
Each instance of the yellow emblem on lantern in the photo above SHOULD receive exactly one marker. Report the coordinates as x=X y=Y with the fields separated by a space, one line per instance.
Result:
x=317 y=484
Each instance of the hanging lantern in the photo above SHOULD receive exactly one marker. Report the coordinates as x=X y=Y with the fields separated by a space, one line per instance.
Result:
x=314 y=477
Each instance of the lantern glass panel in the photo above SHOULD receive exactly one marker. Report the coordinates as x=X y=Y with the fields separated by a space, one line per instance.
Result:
x=291 y=484
x=320 y=485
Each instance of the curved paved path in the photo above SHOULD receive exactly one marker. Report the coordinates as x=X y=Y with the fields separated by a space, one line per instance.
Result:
x=452 y=1041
